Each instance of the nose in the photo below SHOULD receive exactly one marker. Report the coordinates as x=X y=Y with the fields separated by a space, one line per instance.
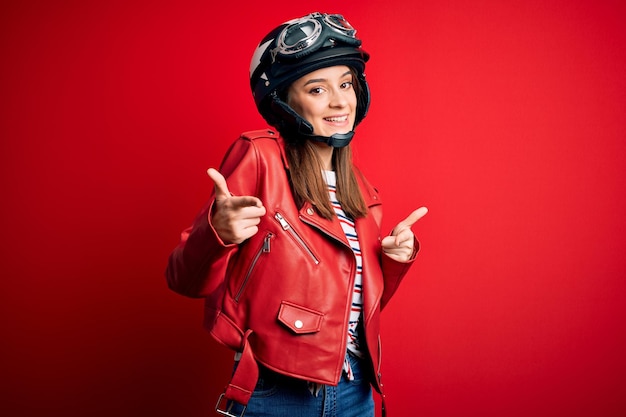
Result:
x=339 y=99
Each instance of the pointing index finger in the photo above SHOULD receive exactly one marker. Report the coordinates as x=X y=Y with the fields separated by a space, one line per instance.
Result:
x=413 y=218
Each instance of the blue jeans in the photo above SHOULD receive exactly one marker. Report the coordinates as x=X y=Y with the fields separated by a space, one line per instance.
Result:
x=279 y=395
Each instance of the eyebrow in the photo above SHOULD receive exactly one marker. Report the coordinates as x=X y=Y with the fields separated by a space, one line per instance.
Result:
x=319 y=80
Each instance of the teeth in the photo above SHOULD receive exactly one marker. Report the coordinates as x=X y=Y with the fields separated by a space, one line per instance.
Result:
x=337 y=119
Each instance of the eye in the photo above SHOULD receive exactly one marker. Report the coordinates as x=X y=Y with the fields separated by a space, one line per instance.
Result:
x=316 y=91
x=346 y=85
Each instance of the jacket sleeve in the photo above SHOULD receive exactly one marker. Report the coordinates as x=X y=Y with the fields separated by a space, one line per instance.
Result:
x=197 y=266
x=393 y=271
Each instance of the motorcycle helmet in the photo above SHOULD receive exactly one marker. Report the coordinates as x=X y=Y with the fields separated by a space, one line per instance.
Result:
x=294 y=49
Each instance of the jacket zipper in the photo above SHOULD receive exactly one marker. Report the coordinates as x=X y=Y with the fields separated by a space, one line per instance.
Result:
x=380 y=360
x=265 y=248
x=287 y=227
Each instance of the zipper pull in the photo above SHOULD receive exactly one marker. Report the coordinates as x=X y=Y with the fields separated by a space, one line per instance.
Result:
x=266 y=242
x=282 y=221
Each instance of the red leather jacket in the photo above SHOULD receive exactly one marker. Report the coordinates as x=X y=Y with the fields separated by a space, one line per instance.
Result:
x=291 y=283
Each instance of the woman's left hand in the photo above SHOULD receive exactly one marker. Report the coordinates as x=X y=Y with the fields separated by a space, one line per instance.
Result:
x=399 y=244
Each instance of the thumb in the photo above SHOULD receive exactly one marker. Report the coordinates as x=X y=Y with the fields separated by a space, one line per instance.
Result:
x=410 y=220
x=221 y=188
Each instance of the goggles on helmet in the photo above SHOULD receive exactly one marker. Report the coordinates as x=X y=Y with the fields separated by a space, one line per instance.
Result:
x=306 y=35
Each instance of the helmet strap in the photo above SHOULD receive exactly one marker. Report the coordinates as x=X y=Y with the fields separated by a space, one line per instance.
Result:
x=338 y=140
x=293 y=122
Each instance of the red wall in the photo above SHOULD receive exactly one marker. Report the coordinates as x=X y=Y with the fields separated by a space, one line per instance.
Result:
x=507 y=119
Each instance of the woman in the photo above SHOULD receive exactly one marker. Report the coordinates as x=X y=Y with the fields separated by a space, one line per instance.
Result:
x=288 y=253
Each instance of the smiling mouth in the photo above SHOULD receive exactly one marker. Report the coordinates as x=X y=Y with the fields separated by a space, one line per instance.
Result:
x=336 y=119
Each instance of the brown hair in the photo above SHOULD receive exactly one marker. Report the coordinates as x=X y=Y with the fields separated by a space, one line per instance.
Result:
x=307 y=182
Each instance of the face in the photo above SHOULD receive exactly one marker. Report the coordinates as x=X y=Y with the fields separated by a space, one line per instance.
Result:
x=326 y=99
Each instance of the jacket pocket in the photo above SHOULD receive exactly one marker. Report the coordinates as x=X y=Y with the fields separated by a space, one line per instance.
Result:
x=284 y=224
x=265 y=248
x=298 y=319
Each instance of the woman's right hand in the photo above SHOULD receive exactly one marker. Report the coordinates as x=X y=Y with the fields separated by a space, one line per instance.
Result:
x=234 y=218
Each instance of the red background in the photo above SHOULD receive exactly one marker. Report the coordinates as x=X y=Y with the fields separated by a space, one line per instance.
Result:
x=505 y=118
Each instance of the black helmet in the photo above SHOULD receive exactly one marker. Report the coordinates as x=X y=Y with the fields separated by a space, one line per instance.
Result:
x=294 y=49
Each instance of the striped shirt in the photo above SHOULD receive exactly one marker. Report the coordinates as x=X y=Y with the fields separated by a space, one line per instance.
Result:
x=353 y=336
x=347 y=224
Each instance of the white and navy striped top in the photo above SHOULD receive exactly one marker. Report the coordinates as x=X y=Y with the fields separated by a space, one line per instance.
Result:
x=347 y=224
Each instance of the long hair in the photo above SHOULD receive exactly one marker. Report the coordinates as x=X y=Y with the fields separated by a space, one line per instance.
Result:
x=308 y=184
